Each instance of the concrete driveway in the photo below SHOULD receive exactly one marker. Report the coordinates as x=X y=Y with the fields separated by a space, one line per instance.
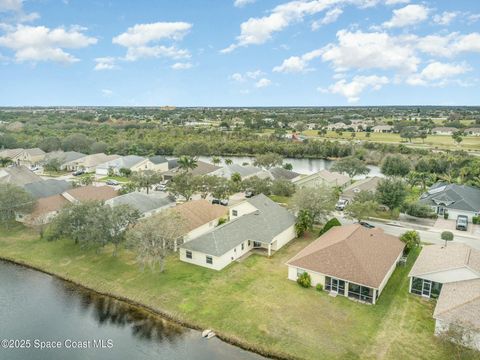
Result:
x=449 y=225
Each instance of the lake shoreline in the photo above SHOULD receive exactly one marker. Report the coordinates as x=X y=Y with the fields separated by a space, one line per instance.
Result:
x=149 y=309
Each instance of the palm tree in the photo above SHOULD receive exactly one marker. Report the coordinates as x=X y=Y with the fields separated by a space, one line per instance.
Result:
x=228 y=161
x=216 y=160
x=413 y=179
x=5 y=161
x=187 y=163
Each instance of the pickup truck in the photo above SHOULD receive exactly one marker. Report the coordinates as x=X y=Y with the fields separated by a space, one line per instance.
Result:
x=462 y=223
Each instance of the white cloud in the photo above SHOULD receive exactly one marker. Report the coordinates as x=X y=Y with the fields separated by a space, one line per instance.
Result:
x=352 y=90
x=242 y=3
x=445 y=18
x=396 y=2
x=140 y=39
x=238 y=77
x=256 y=31
x=16 y=7
x=437 y=71
x=447 y=45
x=330 y=17
x=263 y=82
x=181 y=66
x=298 y=63
x=408 y=15
x=105 y=63
x=254 y=74
x=107 y=93
x=359 y=50
x=39 y=43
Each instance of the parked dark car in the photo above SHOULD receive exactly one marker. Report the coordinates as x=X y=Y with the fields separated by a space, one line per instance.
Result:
x=78 y=172
x=112 y=182
x=223 y=202
x=367 y=225
x=462 y=223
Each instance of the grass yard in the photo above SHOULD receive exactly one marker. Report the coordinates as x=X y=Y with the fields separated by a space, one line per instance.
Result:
x=120 y=179
x=252 y=301
x=436 y=141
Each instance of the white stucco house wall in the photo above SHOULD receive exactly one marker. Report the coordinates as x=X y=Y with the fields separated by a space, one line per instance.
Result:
x=255 y=223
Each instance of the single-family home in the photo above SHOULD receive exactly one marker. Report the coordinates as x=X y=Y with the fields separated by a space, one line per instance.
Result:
x=89 y=162
x=18 y=175
x=367 y=184
x=203 y=168
x=382 y=128
x=255 y=223
x=90 y=193
x=29 y=157
x=337 y=126
x=444 y=130
x=131 y=162
x=451 y=275
x=47 y=188
x=10 y=153
x=44 y=211
x=473 y=131
x=63 y=157
x=200 y=217
x=277 y=173
x=146 y=204
x=350 y=260
x=245 y=172
x=323 y=177
x=454 y=199
x=159 y=163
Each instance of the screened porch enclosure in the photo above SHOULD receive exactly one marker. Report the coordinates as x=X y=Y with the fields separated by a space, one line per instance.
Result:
x=350 y=290
x=426 y=288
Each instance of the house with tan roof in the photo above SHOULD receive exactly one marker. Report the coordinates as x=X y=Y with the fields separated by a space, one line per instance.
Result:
x=18 y=175
x=131 y=162
x=90 y=193
x=200 y=217
x=350 y=260
x=442 y=130
x=368 y=184
x=473 y=131
x=44 y=211
x=451 y=275
x=383 y=128
x=29 y=157
x=89 y=162
x=10 y=153
x=323 y=177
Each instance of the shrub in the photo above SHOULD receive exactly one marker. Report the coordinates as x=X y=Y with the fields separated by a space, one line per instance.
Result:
x=445 y=215
x=330 y=223
x=447 y=236
x=319 y=287
x=282 y=187
x=411 y=239
x=419 y=210
x=476 y=220
x=221 y=221
x=304 y=280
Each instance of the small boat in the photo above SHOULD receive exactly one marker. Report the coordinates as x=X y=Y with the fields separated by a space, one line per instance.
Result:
x=206 y=332
x=210 y=335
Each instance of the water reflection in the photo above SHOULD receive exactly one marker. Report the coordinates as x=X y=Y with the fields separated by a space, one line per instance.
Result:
x=108 y=311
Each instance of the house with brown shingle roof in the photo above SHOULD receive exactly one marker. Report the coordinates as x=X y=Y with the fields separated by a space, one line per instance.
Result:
x=350 y=261
x=451 y=275
x=90 y=193
x=44 y=211
x=323 y=177
x=200 y=217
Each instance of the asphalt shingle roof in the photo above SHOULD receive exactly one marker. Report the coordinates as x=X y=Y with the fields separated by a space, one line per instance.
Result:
x=261 y=225
x=141 y=201
x=159 y=159
x=18 y=175
x=46 y=188
x=453 y=196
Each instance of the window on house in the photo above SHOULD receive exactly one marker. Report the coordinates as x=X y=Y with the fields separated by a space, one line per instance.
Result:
x=248 y=242
x=234 y=212
x=243 y=246
x=300 y=272
x=188 y=254
x=209 y=259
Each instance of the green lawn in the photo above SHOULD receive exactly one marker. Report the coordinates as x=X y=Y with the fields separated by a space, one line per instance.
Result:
x=438 y=141
x=252 y=301
x=120 y=179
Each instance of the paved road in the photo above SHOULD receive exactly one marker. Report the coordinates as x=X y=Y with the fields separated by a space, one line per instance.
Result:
x=427 y=236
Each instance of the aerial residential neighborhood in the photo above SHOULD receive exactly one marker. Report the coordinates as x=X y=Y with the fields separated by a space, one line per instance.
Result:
x=240 y=179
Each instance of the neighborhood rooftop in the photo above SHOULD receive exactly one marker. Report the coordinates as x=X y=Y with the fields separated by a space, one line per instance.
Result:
x=353 y=253
x=141 y=201
x=262 y=226
x=46 y=188
x=460 y=197
x=90 y=193
x=199 y=212
x=18 y=175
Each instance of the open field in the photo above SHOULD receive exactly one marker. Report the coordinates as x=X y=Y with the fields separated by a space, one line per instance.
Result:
x=251 y=301
x=435 y=141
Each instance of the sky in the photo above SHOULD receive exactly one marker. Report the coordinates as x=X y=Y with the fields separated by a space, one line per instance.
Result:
x=239 y=52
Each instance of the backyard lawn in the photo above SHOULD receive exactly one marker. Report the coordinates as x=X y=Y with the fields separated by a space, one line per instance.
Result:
x=251 y=301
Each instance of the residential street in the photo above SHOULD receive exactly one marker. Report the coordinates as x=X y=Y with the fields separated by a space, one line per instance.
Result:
x=428 y=235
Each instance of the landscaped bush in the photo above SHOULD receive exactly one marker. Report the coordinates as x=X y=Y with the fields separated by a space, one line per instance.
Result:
x=419 y=210
x=319 y=287
x=445 y=215
x=476 y=220
x=330 y=223
x=304 y=280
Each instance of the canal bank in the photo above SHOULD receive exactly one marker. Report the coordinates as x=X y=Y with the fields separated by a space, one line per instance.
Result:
x=251 y=351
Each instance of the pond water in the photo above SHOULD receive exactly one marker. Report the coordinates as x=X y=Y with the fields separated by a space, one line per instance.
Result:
x=35 y=306
x=302 y=166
